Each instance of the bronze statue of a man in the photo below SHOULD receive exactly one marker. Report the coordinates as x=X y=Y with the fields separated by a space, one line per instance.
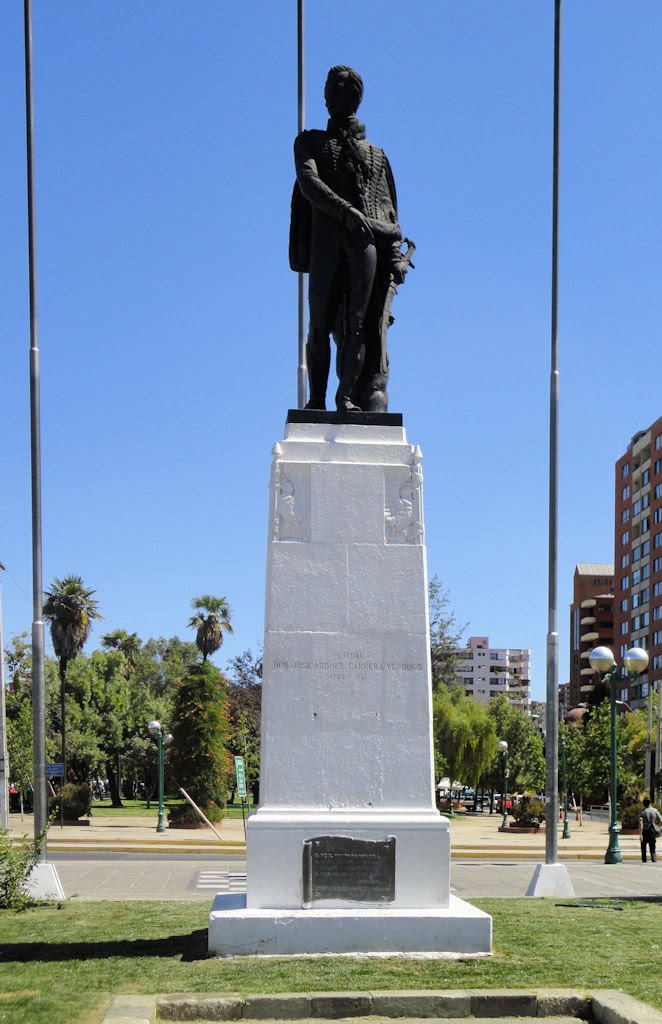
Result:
x=345 y=234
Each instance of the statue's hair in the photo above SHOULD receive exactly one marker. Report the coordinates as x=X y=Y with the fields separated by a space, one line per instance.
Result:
x=354 y=78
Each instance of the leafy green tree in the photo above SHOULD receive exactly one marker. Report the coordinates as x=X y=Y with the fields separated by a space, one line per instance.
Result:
x=211 y=620
x=69 y=607
x=445 y=636
x=200 y=729
x=245 y=701
x=526 y=760
x=465 y=736
x=19 y=743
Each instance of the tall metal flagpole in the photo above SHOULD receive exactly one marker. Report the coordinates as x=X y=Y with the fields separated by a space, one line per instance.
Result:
x=301 y=124
x=552 y=716
x=38 y=684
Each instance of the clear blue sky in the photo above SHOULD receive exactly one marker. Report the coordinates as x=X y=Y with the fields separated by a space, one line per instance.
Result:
x=167 y=311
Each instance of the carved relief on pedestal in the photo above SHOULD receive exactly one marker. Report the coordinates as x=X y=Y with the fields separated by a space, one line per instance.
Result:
x=290 y=500
x=403 y=514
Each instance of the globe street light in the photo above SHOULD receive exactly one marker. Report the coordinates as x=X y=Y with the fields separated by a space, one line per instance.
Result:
x=162 y=739
x=602 y=661
x=502 y=745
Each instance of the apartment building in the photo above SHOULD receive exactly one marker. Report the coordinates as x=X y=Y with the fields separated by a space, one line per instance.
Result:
x=638 y=557
x=591 y=622
x=486 y=672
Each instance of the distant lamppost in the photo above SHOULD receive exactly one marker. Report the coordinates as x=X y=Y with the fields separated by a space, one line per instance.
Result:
x=602 y=661
x=502 y=745
x=162 y=740
x=564 y=780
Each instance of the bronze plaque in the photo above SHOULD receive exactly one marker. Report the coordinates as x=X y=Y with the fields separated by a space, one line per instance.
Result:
x=342 y=868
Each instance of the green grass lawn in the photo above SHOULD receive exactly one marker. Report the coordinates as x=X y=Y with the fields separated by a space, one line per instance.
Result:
x=63 y=965
x=139 y=809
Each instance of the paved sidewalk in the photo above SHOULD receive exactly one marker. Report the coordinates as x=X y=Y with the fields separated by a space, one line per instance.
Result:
x=472 y=836
x=125 y=858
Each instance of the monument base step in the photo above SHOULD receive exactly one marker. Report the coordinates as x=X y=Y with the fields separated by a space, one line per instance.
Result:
x=235 y=930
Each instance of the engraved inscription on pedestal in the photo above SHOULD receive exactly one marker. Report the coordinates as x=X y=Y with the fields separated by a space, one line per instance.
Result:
x=342 y=868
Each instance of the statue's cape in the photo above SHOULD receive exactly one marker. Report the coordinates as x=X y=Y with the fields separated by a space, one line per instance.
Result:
x=300 y=220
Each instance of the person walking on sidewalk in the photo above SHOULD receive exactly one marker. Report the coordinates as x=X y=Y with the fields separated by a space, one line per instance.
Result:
x=650 y=827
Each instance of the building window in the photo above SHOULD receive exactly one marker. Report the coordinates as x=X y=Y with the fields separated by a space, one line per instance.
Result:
x=625 y=561
x=625 y=493
x=624 y=604
x=636 y=553
x=658 y=466
x=644 y=525
x=645 y=618
x=636 y=576
x=643 y=642
x=657 y=540
x=657 y=515
x=657 y=663
x=644 y=595
x=624 y=627
x=657 y=564
x=624 y=649
x=657 y=637
x=636 y=600
x=636 y=507
x=657 y=613
x=645 y=477
x=625 y=582
x=636 y=623
x=657 y=588
x=645 y=501
x=645 y=571
x=658 y=442
x=658 y=491
x=625 y=515
x=625 y=536
x=644 y=689
x=626 y=470
x=645 y=548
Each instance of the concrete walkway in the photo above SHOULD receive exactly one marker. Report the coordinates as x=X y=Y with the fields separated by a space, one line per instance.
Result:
x=125 y=858
x=473 y=836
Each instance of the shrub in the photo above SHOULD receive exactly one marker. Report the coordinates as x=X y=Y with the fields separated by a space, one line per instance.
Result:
x=199 y=761
x=77 y=802
x=629 y=815
x=529 y=812
x=16 y=863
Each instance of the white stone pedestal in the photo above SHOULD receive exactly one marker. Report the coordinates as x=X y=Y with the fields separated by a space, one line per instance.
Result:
x=346 y=709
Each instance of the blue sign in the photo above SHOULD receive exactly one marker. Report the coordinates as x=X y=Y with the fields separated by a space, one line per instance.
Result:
x=55 y=769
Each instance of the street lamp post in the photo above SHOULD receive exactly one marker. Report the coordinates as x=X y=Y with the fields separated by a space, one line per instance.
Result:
x=602 y=661
x=162 y=740
x=564 y=777
x=502 y=745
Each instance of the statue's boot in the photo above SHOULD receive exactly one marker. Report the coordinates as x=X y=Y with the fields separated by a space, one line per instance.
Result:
x=318 y=359
x=351 y=364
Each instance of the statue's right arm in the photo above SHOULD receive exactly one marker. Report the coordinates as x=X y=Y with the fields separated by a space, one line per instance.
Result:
x=313 y=188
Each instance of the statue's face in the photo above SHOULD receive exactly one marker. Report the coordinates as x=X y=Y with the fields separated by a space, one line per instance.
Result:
x=340 y=94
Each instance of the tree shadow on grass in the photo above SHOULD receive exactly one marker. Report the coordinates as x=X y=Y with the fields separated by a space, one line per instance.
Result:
x=188 y=948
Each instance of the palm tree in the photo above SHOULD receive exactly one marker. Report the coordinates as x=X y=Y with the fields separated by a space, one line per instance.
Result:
x=69 y=607
x=210 y=627
x=128 y=643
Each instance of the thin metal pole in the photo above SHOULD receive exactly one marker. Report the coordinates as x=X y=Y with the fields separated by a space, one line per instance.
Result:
x=301 y=124
x=38 y=683
x=552 y=754
x=4 y=757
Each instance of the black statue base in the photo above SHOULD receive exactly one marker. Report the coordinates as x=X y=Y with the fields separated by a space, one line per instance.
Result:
x=366 y=419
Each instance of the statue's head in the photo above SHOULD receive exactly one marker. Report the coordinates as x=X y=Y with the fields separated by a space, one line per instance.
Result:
x=343 y=91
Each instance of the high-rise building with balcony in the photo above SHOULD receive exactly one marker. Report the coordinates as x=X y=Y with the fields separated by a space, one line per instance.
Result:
x=591 y=621
x=638 y=558
x=486 y=672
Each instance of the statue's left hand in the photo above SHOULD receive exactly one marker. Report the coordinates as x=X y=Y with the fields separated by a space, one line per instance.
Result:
x=399 y=271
